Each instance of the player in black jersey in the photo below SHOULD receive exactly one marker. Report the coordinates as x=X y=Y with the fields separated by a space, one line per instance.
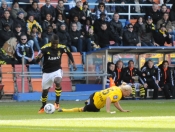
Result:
x=52 y=72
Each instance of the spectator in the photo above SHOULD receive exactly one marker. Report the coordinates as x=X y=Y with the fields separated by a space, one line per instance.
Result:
x=3 y=8
x=60 y=20
x=111 y=71
x=166 y=79
x=75 y=20
x=162 y=36
x=122 y=9
x=172 y=16
x=119 y=72
x=130 y=38
x=60 y=9
x=27 y=6
x=87 y=26
x=30 y=22
x=101 y=9
x=91 y=40
x=35 y=11
x=146 y=33
x=102 y=1
x=136 y=8
x=76 y=11
x=46 y=36
x=16 y=9
x=98 y=22
x=48 y=21
x=35 y=35
x=112 y=8
x=76 y=39
x=87 y=12
x=20 y=20
x=163 y=9
x=66 y=8
x=18 y=31
x=151 y=78
x=116 y=27
x=48 y=9
x=5 y=34
x=167 y=1
x=6 y=19
x=148 y=8
x=138 y=24
x=154 y=13
x=24 y=48
x=105 y=35
x=168 y=25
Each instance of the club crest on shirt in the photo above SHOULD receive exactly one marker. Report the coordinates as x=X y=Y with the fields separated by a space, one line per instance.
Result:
x=115 y=97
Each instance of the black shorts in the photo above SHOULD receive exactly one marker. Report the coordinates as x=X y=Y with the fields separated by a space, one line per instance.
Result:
x=90 y=107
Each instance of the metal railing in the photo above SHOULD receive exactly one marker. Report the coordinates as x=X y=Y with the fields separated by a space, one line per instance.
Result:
x=129 y=14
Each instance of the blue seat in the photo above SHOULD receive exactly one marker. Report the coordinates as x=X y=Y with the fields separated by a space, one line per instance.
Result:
x=35 y=68
x=79 y=70
x=123 y=21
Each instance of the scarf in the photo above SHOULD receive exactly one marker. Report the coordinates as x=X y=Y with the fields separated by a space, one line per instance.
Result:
x=162 y=32
x=60 y=8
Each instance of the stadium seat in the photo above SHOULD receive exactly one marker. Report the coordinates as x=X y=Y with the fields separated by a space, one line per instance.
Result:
x=64 y=60
x=36 y=85
x=77 y=57
x=80 y=68
x=19 y=85
x=7 y=68
x=123 y=22
x=35 y=68
x=157 y=1
x=18 y=68
x=133 y=21
x=8 y=86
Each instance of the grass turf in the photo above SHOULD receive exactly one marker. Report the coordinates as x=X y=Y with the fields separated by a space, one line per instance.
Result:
x=146 y=115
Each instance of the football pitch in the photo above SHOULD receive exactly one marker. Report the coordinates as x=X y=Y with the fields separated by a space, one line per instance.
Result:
x=146 y=116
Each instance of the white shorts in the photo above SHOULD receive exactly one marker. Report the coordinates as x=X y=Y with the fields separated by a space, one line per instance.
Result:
x=48 y=78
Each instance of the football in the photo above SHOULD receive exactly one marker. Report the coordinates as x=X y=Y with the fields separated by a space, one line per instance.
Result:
x=49 y=108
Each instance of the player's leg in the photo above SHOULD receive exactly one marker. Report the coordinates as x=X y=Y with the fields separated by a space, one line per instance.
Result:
x=72 y=110
x=58 y=91
x=142 y=91
x=43 y=100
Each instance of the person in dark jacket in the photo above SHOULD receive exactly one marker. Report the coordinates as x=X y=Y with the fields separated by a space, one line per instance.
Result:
x=119 y=72
x=105 y=35
x=154 y=13
x=172 y=14
x=24 y=48
x=151 y=78
x=48 y=9
x=35 y=11
x=5 y=34
x=116 y=27
x=76 y=39
x=138 y=24
x=161 y=36
x=6 y=19
x=148 y=8
x=3 y=8
x=18 y=32
x=20 y=20
x=98 y=22
x=64 y=37
x=166 y=80
x=131 y=75
x=87 y=12
x=130 y=38
x=111 y=71
x=60 y=20
x=123 y=8
x=163 y=9
x=60 y=9
x=76 y=11
x=46 y=36
x=48 y=21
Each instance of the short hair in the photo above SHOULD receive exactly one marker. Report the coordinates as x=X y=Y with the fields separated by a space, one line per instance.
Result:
x=7 y=11
x=73 y=23
x=60 y=0
x=125 y=86
x=3 y=2
x=49 y=26
x=118 y=62
x=163 y=5
x=130 y=61
x=166 y=13
x=34 y=2
x=103 y=23
x=23 y=35
x=101 y=3
x=54 y=38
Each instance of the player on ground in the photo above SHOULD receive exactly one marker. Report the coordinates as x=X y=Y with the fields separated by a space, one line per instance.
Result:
x=104 y=97
x=52 y=72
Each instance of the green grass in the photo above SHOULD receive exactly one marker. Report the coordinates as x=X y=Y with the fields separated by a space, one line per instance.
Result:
x=146 y=116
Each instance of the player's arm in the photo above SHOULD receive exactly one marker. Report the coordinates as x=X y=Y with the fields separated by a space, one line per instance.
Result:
x=39 y=57
x=117 y=105
x=69 y=54
x=108 y=104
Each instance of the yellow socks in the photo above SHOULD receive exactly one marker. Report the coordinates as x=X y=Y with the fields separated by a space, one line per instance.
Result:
x=73 y=110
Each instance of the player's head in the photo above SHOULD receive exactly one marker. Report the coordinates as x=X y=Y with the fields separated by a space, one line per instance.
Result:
x=54 y=41
x=126 y=89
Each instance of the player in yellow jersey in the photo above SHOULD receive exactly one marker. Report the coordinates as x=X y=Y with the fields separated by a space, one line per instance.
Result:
x=101 y=98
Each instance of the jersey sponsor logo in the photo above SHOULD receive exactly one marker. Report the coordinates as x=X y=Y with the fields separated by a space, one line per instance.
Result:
x=115 y=97
x=53 y=58
x=48 y=53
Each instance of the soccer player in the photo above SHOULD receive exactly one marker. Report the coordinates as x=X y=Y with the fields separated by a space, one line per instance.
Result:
x=130 y=76
x=52 y=72
x=101 y=98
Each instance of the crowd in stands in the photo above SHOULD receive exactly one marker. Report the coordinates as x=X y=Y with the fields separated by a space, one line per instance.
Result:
x=79 y=29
